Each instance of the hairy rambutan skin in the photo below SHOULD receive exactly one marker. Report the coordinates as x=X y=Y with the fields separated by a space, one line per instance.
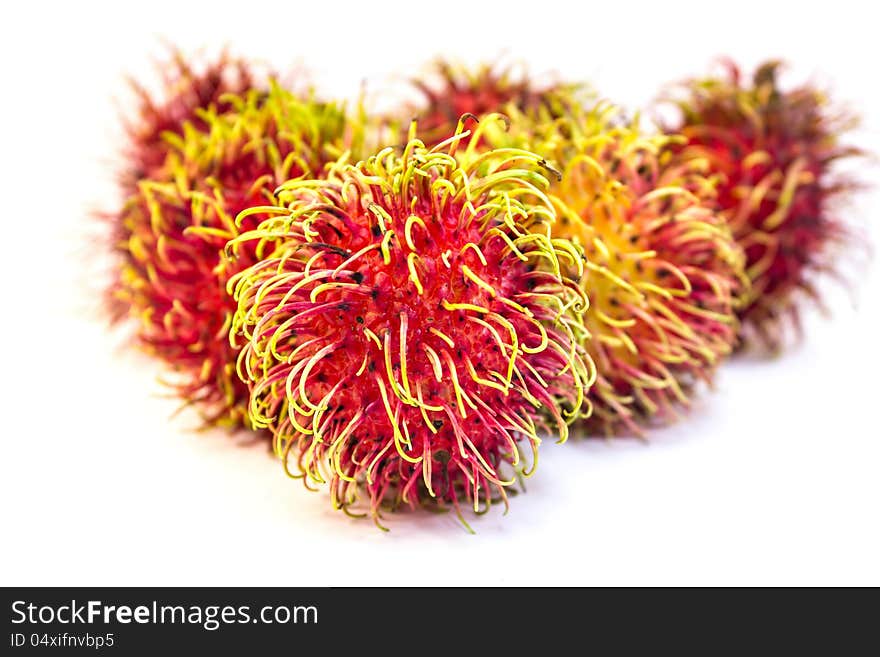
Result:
x=407 y=327
x=177 y=223
x=190 y=87
x=662 y=274
x=456 y=91
x=773 y=152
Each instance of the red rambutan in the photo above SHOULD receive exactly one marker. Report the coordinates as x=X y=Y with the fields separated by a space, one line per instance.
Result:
x=407 y=329
x=662 y=273
x=177 y=222
x=772 y=151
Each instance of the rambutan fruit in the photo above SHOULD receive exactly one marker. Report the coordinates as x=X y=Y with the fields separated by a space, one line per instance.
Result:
x=177 y=222
x=456 y=91
x=773 y=152
x=407 y=330
x=662 y=271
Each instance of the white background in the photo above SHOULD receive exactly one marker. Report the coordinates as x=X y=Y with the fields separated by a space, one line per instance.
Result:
x=772 y=480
